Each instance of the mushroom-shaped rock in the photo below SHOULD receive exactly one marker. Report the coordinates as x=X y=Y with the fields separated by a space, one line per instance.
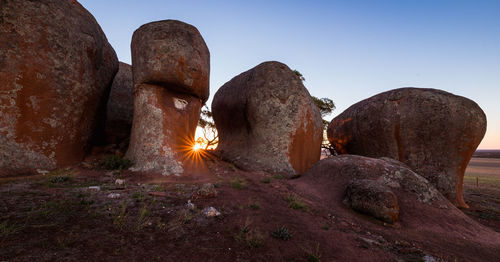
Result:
x=267 y=120
x=171 y=54
x=373 y=198
x=56 y=67
x=170 y=65
x=120 y=109
x=434 y=132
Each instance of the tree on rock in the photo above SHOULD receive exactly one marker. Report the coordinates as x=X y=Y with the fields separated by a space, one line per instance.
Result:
x=207 y=125
x=326 y=107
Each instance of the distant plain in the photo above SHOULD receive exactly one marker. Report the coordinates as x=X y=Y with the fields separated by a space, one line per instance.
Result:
x=482 y=188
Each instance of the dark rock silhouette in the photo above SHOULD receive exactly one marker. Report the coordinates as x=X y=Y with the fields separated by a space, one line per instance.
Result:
x=171 y=65
x=373 y=198
x=56 y=67
x=267 y=120
x=434 y=132
x=120 y=109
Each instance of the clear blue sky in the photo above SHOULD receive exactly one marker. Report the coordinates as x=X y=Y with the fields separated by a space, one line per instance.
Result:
x=347 y=50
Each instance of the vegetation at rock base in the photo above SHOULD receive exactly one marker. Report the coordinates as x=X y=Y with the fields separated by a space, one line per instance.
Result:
x=113 y=162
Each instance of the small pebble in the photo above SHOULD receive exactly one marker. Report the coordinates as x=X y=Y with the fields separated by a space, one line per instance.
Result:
x=96 y=188
x=114 y=195
x=120 y=182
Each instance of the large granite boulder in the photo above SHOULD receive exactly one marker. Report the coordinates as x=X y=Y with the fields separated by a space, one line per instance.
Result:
x=120 y=108
x=56 y=67
x=170 y=65
x=267 y=120
x=172 y=54
x=434 y=132
x=373 y=186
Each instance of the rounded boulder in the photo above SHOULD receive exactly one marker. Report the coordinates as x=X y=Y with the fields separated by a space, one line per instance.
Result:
x=56 y=67
x=171 y=53
x=432 y=131
x=120 y=108
x=267 y=120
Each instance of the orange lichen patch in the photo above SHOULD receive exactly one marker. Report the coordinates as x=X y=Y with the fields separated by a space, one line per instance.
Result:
x=340 y=142
x=344 y=121
x=305 y=150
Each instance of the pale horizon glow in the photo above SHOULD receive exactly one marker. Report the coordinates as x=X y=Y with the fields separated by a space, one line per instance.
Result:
x=346 y=50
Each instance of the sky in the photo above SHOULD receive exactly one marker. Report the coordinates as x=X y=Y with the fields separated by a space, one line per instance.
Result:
x=347 y=50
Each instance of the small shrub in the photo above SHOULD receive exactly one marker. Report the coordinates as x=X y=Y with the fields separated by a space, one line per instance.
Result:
x=143 y=219
x=248 y=236
x=266 y=180
x=254 y=206
x=113 y=162
x=238 y=183
x=121 y=217
x=295 y=203
x=7 y=229
x=281 y=233
x=277 y=176
x=313 y=254
x=139 y=196
x=60 y=179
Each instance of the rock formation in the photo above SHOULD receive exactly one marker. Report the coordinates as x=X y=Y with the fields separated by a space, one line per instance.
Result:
x=170 y=65
x=267 y=120
x=56 y=67
x=434 y=132
x=373 y=186
x=120 y=109
x=373 y=198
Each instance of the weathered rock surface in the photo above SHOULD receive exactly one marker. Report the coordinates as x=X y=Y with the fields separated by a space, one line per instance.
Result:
x=425 y=215
x=338 y=172
x=56 y=67
x=172 y=54
x=267 y=120
x=373 y=198
x=120 y=108
x=434 y=132
x=170 y=65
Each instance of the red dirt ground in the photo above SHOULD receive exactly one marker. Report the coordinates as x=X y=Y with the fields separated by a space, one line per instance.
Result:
x=50 y=217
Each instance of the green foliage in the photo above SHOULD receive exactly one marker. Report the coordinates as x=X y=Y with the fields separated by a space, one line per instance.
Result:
x=295 y=203
x=325 y=105
x=140 y=196
x=299 y=75
x=7 y=228
x=278 y=176
x=60 y=179
x=265 y=180
x=281 y=233
x=113 y=162
x=248 y=236
x=253 y=204
x=238 y=183
x=313 y=254
x=121 y=216
x=207 y=124
x=206 y=118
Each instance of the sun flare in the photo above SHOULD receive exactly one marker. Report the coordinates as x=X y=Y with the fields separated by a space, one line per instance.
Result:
x=197 y=146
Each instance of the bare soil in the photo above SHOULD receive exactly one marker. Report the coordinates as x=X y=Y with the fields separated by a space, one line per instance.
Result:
x=60 y=217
